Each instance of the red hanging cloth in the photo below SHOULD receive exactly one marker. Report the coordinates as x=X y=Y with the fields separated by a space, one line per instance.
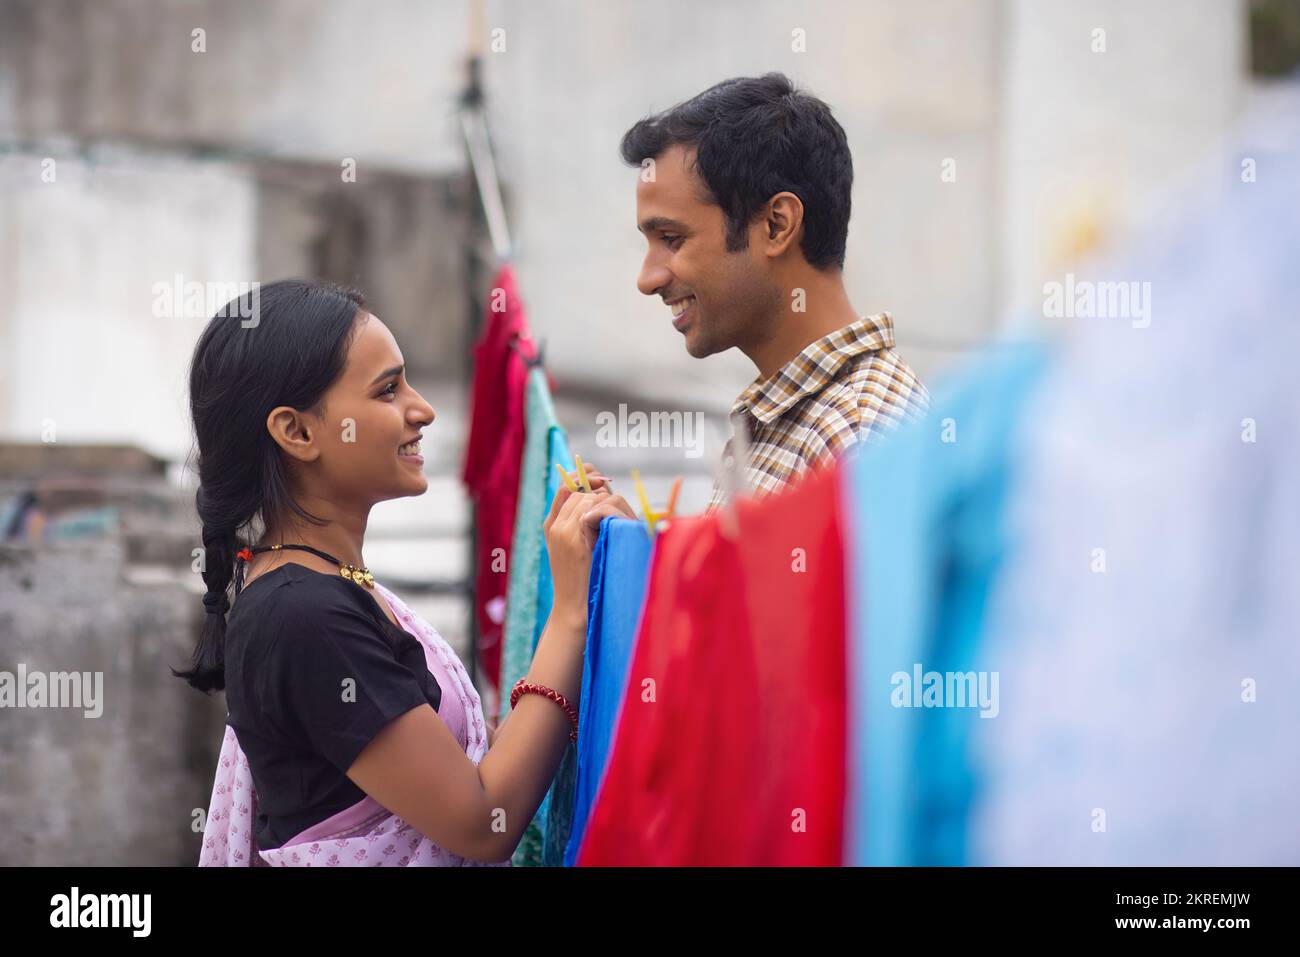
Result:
x=493 y=455
x=730 y=749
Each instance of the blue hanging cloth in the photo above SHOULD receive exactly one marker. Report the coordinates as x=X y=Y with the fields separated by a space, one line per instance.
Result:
x=620 y=568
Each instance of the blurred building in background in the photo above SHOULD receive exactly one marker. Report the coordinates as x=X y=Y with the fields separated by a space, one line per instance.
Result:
x=146 y=145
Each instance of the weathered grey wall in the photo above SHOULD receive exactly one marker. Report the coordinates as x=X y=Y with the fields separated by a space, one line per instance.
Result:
x=120 y=788
x=295 y=79
x=400 y=237
x=1047 y=138
x=85 y=358
x=911 y=84
x=1099 y=125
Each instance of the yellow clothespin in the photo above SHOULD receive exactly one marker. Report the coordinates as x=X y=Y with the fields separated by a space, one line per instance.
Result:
x=650 y=517
x=568 y=479
x=583 y=484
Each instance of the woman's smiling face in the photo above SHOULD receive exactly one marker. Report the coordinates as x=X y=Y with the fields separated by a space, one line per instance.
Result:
x=348 y=453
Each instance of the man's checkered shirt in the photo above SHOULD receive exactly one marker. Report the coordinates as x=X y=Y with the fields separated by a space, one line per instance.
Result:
x=846 y=387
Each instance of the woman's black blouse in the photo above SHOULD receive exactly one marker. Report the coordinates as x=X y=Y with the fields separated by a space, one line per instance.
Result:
x=314 y=670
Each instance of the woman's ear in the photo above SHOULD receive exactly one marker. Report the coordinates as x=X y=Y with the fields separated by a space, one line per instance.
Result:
x=290 y=431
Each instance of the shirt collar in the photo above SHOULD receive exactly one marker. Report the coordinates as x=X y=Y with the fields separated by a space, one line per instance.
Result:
x=810 y=371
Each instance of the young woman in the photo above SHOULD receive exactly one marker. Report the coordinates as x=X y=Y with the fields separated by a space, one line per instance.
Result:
x=352 y=726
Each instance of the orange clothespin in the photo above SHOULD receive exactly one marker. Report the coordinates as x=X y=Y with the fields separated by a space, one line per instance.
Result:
x=653 y=518
x=672 y=499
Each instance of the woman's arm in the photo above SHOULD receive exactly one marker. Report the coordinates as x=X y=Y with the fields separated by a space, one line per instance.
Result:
x=494 y=727
x=417 y=770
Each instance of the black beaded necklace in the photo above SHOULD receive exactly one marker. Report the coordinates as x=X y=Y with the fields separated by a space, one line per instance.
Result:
x=361 y=576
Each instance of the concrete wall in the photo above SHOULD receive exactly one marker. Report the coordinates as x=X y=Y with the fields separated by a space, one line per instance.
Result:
x=84 y=351
x=118 y=786
x=1093 y=137
x=1052 y=144
x=94 y=353
x=908 y=92
x=295 y=79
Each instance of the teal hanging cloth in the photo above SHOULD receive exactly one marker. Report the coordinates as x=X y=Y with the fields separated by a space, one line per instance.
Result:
x=559 y=455
x=529 y=591
x=556 y=812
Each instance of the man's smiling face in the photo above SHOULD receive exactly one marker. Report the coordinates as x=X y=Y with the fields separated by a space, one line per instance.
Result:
x=719 y=299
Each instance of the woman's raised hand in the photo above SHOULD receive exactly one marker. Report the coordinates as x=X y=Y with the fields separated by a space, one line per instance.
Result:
x=571 y=530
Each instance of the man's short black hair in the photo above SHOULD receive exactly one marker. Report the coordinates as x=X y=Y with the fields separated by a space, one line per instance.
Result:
x=755 y=137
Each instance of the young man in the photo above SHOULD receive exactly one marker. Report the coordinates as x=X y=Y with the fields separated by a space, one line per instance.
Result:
x=744 y=200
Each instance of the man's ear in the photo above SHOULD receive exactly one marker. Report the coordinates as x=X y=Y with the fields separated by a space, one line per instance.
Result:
x=293 y=433
x=782 y=223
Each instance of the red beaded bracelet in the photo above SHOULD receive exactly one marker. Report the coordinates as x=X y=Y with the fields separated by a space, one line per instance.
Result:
x=523 y=687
